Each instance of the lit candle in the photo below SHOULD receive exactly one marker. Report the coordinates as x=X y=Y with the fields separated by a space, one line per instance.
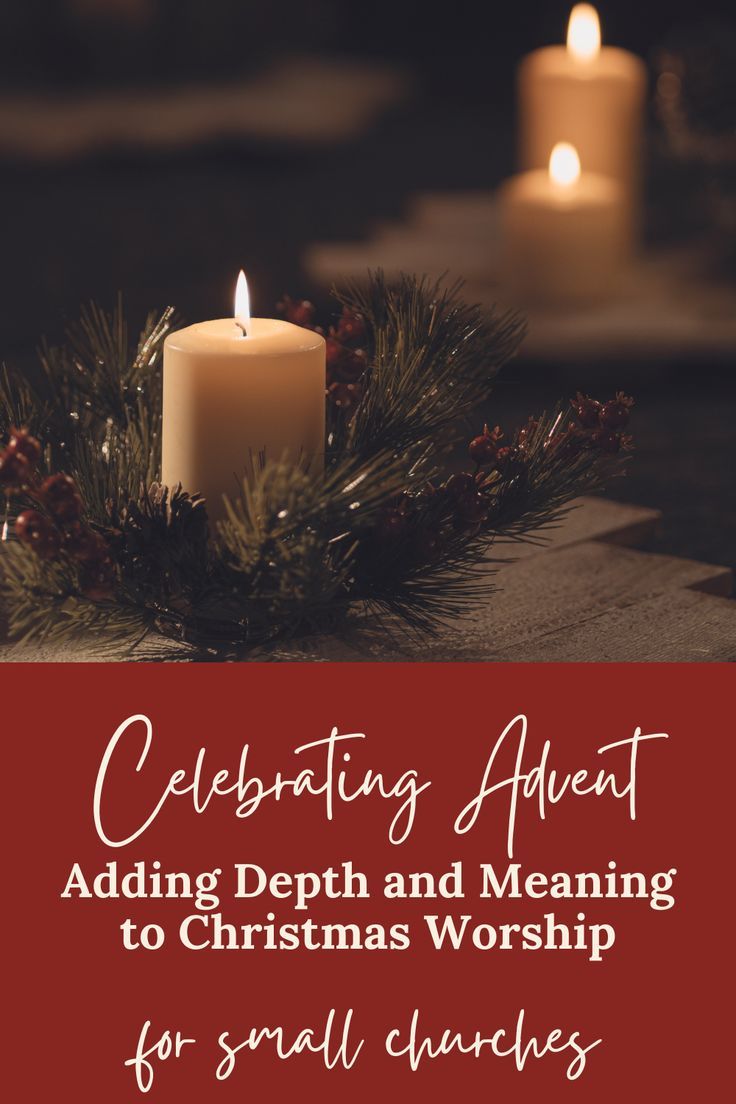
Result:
x=561 y=233
x=238 y=392
x=593 y=96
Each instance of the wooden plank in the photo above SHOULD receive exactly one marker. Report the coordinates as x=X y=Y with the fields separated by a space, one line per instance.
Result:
x=577 y=583
x=678 y=627
x=543 y=602
x=552 y=596
x=590 y=519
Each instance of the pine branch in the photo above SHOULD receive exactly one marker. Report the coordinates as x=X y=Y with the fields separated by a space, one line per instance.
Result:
x=20 y=405
x=433 y=360
x=378 y=532
x=45 y=603
x=553 y=478
x=94 y=383
x=455 y=570
x=288 y=544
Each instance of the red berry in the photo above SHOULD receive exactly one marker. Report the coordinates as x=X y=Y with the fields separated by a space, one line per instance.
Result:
x=352 y=366
x=615 y=413
x=24 y=445
x=526 y=432
x=351 y=326
x=587 y=410
x=97 y=581
x=460 y=485
x=510 y=461
x=483 y=449
x=567 y=444
x=302 y=313
x=84 y=545
x=15 y=471
x=606 y=440
x=59 y=495
x=38 y=533
x=345 y=396
x=335 y=353
x=299 y=311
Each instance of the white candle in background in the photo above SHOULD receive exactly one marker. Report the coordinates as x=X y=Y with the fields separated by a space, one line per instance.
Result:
x=236 y=392
x=563 y=234
x=592 y=96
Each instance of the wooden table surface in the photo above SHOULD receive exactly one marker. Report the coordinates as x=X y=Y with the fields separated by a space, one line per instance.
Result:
x=586 y=594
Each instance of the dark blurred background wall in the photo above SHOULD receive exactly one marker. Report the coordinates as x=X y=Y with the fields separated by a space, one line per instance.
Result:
x=76 y=41
x=155 y=146
x=173 y=221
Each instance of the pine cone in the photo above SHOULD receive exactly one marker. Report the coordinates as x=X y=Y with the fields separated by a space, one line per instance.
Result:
x=162 y=540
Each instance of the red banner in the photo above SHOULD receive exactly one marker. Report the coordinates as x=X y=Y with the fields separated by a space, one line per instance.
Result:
x=229 y=882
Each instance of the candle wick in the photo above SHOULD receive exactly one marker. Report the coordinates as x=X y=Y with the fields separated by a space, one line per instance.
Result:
x=241 y=326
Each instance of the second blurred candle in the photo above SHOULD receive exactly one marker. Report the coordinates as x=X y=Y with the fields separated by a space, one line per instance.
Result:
x=562 y=236
x=588 y=95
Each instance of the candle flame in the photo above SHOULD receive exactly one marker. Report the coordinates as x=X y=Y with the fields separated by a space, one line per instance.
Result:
x=564 y=165
x=242 y=304
x=584 y=32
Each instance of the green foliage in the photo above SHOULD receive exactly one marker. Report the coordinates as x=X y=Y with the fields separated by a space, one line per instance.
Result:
x=45 y=603
x=296 y=553
x=433 y=361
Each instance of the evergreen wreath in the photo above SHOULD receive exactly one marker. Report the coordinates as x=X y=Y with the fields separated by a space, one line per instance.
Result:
x=93 y=544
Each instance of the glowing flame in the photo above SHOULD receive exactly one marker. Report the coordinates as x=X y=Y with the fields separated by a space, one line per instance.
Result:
x=564 y=165
x=584 y=32
x=242 y=304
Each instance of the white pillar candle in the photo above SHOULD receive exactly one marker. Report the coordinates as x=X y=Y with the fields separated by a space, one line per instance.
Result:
x=561 y=234
x=591 y=96
x=238 y=392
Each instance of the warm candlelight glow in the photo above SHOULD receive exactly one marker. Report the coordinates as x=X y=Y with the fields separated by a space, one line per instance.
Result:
x=242 y=304
x=584 y=32
x=564 y=165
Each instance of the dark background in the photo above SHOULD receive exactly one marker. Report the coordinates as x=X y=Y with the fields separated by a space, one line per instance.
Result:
x=167 y=226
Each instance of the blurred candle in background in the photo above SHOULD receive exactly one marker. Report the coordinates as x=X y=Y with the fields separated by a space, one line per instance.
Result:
x=237 y=392
x=563 y=234
x=594 y=97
